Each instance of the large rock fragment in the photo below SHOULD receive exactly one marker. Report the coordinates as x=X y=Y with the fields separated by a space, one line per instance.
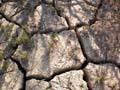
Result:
x=50 y=19
x=72 y=80
x=28 y=8
x=19 y=11
x=49 y=54
x=103 y=77
x=77 y=11
x=32 y=15
x=101 y=40
x=65 y=52
x=12 y=44
x=54 y=53
x=11 y=77
x=6 y=32
x=8 y=35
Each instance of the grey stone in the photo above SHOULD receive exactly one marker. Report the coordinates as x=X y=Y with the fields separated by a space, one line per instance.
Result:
x=11 y=77
x=101 y=39
x=50 y=20
x=72 y=80
x=103 y=77
x=37 y=85
x=77 y=11
x=48 y=54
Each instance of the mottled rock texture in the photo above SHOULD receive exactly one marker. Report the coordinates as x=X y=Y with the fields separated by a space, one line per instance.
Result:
x=11 y=78
x=72 y=80
x=59 y=44
x=103 y=77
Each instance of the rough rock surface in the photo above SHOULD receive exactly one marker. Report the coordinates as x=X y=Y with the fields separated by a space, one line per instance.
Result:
x=72 y=80
x=11 y=78
x=51 y=54
x=103 y=77
x=101 y=40
x=59 y=44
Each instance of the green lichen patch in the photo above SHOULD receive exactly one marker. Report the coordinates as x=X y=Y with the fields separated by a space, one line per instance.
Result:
x=24 y=27
x=23 y=55
x=54 y=40
x=54 y=35
x=1 y=55
x=22 y=38
x=2 y=28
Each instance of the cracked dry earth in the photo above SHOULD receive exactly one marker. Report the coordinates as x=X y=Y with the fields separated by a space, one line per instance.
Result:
x=59 y=44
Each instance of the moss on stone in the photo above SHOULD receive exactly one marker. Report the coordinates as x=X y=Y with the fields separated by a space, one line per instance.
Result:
x=22 y=38
x=1 y=55
x=23 y=55
x=24 y=26
x=2 y=28
x=54 y=35
x=100 y=78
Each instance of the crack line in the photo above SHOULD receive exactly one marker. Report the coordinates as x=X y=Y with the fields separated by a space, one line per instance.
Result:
x=23 y=71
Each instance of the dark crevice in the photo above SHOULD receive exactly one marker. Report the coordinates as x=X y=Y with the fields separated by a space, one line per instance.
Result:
x=23 y=71
x=14 y=48
x=92 y=21
x=68 y=22
x=100 y=62
x=54 y=5
x=89 y=3
x=84 y=64
x=85 y=78
x=14 y=22
x=78 y=25
x=5 y=1
x=45 y=2
x=9 y=20
x=48 y=31
x=61 y=72
x=35 y=77
x=56 y=73
x=81 y=44
x=96 y=13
